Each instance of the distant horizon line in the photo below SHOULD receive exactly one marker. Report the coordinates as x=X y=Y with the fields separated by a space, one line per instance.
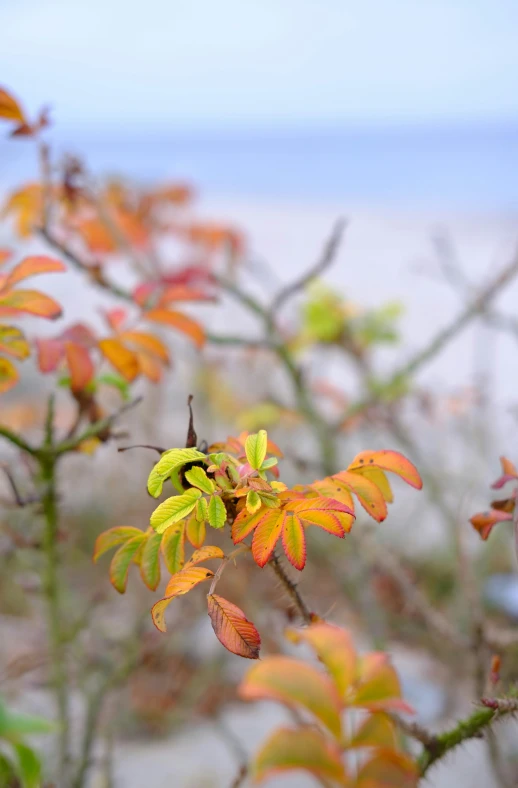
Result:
x=202 y=131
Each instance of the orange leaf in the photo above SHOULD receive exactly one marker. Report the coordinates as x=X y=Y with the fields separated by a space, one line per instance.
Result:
x=121 y=561
x=295 y=684
x=32 y=266
x=484 y=522
x=179 y=584
x=389 y=461
x=183 y=581
x=388 y=769
x=266 y=535
x=187 y=325
x=333 y=516
x=149 y=367
x=330 y=487
x=370 y=496
x=8 y=375
x=245 y=523
x=289 y=749
x=10 y=108
x=232 y=628
x=335 y=649
x=31 y=301
x=205 y=554
x=294 y=540
x=379 y=478
x=124 y=361
x=147 y=342
x=508 y=469
x=5 y=255
x=80 y=366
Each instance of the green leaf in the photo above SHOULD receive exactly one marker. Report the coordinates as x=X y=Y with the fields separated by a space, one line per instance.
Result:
x=116 y=382
x=29 y=766
x=269 y=463
x=168 y=462
x=253 y=502
x=255 y=448
x=217 y=513
x=150 y=561
x=174 y=509
x=202 y=512
x=7 y=771
x=121 y=561
x=173 y=547
x=198 y=478
x=14 y=725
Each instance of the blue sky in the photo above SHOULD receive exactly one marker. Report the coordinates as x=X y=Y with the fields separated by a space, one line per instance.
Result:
x=208 y=64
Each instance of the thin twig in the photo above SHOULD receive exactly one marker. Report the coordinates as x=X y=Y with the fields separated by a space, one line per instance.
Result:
x=291 y=589
x=325 y=260
x=96 y=429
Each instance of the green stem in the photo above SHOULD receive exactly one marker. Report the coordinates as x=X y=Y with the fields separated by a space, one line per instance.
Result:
x=470 y=728
x=51 y=588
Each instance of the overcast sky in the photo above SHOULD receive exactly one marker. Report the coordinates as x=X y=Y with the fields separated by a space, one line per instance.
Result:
x=281 y=63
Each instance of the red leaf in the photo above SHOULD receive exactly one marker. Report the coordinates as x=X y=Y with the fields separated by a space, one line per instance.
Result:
x=484 y=522
x=50 y=353
x=80 y=365
x=266 y=535
x=232 y=628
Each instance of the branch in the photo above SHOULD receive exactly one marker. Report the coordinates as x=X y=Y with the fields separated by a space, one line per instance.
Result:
x=325 y=261
x=17 y=440
x=506 y=705
x=471 y=728
x=476 y=306
x=94 y=430
x=291 y=589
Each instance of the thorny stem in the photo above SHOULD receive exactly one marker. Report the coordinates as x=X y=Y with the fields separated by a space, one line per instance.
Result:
x=291 y=589
x=471 y=728
x=52 y=591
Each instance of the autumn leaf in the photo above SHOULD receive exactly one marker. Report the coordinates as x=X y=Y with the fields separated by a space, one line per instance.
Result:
x=297 y=685
x=378 y=687
x=174 y=509
x=148 y=343
x=179 y=584
x=289 y=520
x=232 y=628
x=124 y=361
x=150 y=561
x=388 y=460
x=205 y=554
x=8 y=375
x=13 y=342
x=30 y=301
x=32 y=266
x=113 y=537
x=80 y=366
x=187 y=325
x=173 y=547
x=289 y=749
x=10 y=109
x=121 y=561
x=484 y=522
x=377 y=729
x=368 y=494
x=334 y=648
x=388 y=769
x=195 y=530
